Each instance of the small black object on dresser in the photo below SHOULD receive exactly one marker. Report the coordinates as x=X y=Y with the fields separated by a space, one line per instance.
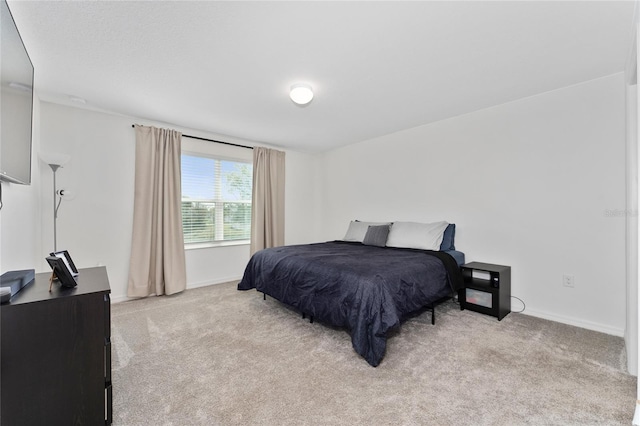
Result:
x=55 y=353
x=486 y=289
x=16 y=280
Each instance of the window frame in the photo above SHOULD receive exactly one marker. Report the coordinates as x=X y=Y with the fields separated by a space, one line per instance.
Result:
x=215 y=243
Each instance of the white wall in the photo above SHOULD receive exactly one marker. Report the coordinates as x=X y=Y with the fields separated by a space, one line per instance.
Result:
x=20 y=235
x=530 y=184
x=303 y=219
x=96 y=225
x=631 y=232
x=631 y=328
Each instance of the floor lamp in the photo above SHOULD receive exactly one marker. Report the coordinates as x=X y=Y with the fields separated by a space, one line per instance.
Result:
x=55 y=161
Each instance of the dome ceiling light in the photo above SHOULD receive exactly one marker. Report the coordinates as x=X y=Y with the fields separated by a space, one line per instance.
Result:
x=301 y=94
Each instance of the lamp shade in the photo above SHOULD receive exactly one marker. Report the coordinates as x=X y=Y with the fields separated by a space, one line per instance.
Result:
x=301 y=94
x=54 y=158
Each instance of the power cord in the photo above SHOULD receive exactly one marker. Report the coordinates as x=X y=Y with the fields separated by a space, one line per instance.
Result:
x=523 y=305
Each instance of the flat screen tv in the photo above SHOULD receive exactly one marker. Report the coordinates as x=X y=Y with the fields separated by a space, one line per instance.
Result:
x=16 y=109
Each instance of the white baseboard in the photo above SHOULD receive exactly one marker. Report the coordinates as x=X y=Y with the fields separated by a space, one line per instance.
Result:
x=576 y=322
x=214 y=282
x=118 y=299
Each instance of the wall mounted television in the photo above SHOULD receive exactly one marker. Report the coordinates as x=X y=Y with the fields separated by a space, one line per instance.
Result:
x=16 y=109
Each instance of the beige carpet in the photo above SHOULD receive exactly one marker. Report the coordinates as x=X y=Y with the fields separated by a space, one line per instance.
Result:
x=217 y=356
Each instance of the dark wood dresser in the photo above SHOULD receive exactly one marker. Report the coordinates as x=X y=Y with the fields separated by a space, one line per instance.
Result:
x=55 y=353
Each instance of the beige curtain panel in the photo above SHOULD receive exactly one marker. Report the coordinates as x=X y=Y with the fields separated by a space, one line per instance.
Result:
x=267 y=205
x=157 y=264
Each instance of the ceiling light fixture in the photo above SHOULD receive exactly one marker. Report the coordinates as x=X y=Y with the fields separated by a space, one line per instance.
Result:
x=301 y=94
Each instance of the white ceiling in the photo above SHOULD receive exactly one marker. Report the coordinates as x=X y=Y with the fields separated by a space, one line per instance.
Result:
x=376 y=67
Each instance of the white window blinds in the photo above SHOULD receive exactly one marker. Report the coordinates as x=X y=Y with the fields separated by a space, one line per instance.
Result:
x=216 y=199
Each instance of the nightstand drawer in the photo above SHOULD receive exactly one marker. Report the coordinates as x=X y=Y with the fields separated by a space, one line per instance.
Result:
x=480 y=298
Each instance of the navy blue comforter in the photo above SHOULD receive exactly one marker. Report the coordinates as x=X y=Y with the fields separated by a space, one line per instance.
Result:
x=365 y=289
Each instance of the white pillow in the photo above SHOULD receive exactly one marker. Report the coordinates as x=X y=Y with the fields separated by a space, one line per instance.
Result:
x=357 y=230
x=425 y=236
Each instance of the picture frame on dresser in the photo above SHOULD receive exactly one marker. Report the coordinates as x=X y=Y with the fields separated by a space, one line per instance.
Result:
x=61 y=272
x=66 y=257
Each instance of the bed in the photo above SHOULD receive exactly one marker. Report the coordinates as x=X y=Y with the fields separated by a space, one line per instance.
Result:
x=367 y=289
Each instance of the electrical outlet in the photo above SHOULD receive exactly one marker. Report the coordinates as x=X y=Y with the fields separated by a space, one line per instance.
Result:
x=568 y=281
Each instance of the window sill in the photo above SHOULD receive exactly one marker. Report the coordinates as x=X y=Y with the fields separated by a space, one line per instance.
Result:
x=197 y=246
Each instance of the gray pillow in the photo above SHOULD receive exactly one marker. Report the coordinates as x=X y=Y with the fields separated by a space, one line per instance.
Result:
x=376 y=236
x=357 y=230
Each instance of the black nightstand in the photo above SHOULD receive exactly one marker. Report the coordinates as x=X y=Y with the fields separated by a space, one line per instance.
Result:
x=487 y=289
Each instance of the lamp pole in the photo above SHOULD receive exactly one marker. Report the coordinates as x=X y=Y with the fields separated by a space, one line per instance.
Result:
x=55 y=161
x=55 y=168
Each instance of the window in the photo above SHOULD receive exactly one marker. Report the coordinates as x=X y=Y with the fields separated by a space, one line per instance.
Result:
x=216 y=199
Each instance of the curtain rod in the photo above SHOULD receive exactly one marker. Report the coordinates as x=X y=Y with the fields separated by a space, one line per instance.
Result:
x=213 y=140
